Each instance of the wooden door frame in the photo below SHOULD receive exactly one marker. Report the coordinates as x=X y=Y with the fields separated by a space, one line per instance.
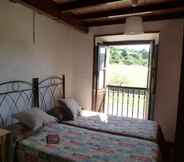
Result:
x=95 y=76
x=95 y=61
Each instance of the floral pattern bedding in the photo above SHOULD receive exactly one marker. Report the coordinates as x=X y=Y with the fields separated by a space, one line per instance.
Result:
x=143 y=129
x=82 y=145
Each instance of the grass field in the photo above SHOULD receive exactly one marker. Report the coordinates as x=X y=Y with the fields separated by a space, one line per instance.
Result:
x=127 y=75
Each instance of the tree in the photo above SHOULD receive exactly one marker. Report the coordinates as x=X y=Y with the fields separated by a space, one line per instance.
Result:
x=145 y=54
x=128 y=56
x=115 y=56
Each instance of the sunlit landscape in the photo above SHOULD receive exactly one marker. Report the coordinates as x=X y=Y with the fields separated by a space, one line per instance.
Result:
x=126 y=77
x=128 y=65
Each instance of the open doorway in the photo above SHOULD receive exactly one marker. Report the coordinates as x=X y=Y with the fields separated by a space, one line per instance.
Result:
x=125 y=78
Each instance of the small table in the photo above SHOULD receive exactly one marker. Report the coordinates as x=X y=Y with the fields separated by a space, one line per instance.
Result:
x=4 y=142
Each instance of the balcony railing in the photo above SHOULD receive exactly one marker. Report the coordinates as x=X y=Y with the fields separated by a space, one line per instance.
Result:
x=126 y=101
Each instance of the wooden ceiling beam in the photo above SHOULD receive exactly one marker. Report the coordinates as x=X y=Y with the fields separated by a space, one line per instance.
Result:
x=130 y=10
x=114 y=21
x=83 y=3
x=51 y=8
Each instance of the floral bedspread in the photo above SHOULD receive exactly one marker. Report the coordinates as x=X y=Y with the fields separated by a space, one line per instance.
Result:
x=82 y=145
x=143 y=129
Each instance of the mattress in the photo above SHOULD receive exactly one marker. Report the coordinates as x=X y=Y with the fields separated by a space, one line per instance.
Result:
x=82 y=145
x=143 y=129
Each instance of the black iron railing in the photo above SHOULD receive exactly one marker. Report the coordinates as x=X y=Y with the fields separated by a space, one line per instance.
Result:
x=126 y=101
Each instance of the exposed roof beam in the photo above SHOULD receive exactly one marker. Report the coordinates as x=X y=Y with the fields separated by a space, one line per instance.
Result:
x=129 y=10
x=82 y=3
x=51 y=8
x=113 y=21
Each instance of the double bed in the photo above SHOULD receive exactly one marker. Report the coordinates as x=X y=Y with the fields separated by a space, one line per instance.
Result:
x=93 y=137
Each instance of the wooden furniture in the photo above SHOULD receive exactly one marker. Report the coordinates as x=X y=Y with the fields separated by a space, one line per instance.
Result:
x=4 y=142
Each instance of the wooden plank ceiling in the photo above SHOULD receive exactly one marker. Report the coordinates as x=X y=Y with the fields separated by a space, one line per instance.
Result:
x=83 y=14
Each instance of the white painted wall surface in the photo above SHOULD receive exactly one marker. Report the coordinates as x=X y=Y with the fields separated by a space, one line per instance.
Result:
x=20 y=58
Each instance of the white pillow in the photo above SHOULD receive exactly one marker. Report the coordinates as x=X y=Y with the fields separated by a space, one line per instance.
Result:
x=44 y=116
x=73 y=106
x=35 y=118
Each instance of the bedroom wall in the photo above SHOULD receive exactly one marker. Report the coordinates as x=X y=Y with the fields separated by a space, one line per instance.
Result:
x=168 y=70
x=169 y=63
x=20 y=58
x=82 y=68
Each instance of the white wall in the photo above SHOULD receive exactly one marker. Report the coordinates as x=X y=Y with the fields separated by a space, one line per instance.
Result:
x=20 y=58
x=82 y=67
x=171 y=33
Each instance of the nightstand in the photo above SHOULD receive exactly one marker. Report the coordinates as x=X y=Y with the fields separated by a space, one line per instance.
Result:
x=4 y=144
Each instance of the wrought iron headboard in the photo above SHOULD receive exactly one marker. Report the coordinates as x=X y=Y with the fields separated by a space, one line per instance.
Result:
x=15 y=96
x=50 y=91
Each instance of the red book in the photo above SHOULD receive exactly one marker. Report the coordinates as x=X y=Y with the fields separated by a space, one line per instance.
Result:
x=52 y=139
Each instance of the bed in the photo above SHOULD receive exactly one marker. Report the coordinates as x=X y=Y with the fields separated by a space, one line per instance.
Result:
x=76 y=144
x=15 y=96
x=121 y=126
x=141 y=129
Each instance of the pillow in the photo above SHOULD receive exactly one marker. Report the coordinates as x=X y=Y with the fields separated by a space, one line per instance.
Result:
x=58 y=113
x=74 y=107
x=65 y=111
x=35 y=118
x=44 y=116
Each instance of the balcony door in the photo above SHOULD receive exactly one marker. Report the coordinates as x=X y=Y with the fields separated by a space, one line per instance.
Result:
x=113 y=93
x=99 y=78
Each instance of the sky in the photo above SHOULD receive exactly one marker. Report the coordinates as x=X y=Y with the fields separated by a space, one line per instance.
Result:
x=136 y=47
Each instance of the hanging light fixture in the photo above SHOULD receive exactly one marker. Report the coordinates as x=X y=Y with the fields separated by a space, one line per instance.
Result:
x=134 y=25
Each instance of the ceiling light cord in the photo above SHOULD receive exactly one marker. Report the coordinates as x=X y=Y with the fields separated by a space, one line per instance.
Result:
x=34 y=27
